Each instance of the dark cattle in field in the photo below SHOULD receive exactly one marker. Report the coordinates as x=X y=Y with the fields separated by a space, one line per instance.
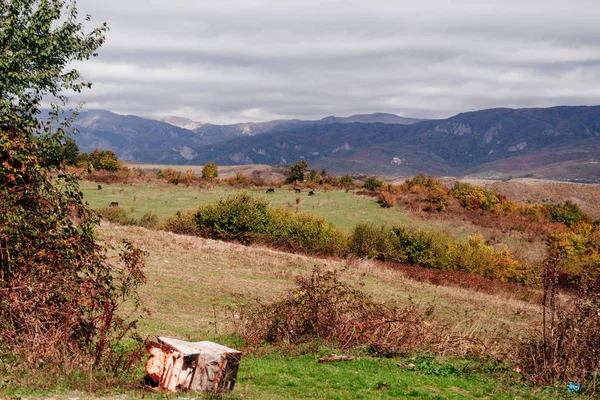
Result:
x=311 y=193
x=99 y=187
x=297 y=190
x=114 y=204
x=271 y=190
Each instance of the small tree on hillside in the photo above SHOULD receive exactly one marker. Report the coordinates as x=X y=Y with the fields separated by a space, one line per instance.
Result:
x=347 y=181
x=297 y=172
x=372 y=184
x=70 y=151
x=210 y=171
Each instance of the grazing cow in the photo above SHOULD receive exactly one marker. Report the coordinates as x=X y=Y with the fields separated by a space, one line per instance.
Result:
x=311 y=193
x=99 y=187
x=297 y=190
x=114 y=204
x=270 y=190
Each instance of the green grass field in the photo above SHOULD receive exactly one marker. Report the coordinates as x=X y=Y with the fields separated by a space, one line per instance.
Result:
x=344 y=210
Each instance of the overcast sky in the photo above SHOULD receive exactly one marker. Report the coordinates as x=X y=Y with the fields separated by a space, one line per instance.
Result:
x=226 y=61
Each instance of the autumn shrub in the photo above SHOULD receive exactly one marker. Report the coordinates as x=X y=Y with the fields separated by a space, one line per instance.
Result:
x=324 y=307
x=438 y=250
x=61 y=296
x=238 y=180
x=170 y=175
x=345 y=181
x=98 y=160
x=148 y=220
x=387 y=200
x=122 y=175
x=367 y=193
x=256 y=179
x=183 y=222
x=567 y=347
x=475 y=197
x=210 y=171
x=427 y=182
x=116 y=215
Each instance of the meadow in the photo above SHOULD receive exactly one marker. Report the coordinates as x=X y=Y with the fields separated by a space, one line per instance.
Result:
x=343 y=209
x=196 y=286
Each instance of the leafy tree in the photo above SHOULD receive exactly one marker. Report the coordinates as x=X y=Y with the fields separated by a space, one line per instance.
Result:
x=59 y=295
x=347 y=181
x=298 y=171
x=70 y=151
x=100 y=160
x=210 y=171
x=372 y=184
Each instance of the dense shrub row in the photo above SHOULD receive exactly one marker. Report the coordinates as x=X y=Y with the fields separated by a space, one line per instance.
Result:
x=248 y=219
x=435 y=249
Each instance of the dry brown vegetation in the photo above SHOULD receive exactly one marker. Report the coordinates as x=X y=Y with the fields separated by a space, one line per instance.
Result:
x=209 y=276
x=542 y=191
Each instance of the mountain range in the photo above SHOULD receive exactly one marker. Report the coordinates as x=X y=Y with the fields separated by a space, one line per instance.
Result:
x=558 y=142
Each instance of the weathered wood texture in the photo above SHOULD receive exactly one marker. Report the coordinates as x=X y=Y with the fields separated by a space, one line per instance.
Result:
x=198 y=366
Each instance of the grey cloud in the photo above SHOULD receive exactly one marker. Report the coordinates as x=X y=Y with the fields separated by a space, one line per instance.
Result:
x=234 y=60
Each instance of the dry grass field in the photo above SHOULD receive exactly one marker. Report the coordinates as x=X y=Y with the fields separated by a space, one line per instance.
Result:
x=193 y=284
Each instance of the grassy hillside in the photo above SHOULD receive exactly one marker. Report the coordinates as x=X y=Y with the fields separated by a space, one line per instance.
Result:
x=345 y=210
x=342 y=209
x=191 y=292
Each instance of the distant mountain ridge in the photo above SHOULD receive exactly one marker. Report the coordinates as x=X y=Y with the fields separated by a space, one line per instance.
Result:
x=174 y=140
x=557 y=142
x=217 y=133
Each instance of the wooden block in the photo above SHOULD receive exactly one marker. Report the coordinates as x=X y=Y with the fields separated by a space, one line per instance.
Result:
x=199 y=366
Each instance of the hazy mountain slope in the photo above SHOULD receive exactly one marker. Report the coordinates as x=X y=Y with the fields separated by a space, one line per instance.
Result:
x=218 y=133
x=556 y=143
x=506 y=140
x=134 y=138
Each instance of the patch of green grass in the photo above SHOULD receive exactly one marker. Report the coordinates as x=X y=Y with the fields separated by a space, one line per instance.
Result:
x=280 y=377
x=277 y=376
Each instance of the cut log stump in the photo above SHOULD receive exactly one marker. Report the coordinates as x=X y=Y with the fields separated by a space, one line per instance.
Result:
x=197 y=366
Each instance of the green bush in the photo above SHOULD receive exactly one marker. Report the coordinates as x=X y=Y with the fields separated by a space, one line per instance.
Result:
x=378 y=243
x=210 y=171
x=148 y=220
x=240 y=218
x=433 y=249
x=372 y=184
x=569 y=214
x=475 y=197
x=347 y=181
x=305 y=233
x=183 y=223
x=248 y=219
x=116 y=215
